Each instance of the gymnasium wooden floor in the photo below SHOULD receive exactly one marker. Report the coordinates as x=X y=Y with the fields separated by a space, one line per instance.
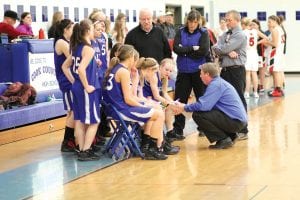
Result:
x=266 y=166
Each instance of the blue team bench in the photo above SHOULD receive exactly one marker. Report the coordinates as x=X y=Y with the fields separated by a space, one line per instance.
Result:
x=42 y=110
x=15 y=66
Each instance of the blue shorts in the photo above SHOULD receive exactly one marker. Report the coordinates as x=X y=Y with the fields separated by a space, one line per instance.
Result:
x=86 y=106
x=137 y=114
x=68 y=100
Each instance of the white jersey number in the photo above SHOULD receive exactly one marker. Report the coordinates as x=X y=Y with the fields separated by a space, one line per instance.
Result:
x=109 y=85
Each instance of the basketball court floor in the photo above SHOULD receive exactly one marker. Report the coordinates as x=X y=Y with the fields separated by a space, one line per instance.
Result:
x=266 y=166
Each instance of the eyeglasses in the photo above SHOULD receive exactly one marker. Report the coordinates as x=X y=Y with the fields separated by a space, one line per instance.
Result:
x=228 y=20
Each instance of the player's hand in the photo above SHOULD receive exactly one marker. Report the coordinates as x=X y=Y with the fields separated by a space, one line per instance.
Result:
x=90 y=89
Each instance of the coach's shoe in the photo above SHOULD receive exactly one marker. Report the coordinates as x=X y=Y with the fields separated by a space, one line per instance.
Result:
x=242 y=136
x=234 y=137
x=88 y=155
x=222 y=144
x=68 y=146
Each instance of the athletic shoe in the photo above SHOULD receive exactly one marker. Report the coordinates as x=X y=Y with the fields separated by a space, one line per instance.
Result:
x=176 y=135
x=255 y=94
x=276 y=93
x=246 y=95
x=154 y=153
x=261 y=89
x=88 y=155
x=68 y=146
x=169 y=149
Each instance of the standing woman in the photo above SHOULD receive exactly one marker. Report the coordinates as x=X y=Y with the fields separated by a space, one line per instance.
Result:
x=118 y=92
x=261 y=58
x=25 y=24
x=275 y=45
x=85 y=88
x=120 y=30
x=57 y=17
x=191 y=45
x=61 y=52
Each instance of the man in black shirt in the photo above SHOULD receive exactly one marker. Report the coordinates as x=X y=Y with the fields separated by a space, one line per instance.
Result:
x=148 y=39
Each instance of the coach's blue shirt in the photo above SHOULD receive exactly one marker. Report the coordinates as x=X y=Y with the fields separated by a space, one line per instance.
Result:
x=220 y=95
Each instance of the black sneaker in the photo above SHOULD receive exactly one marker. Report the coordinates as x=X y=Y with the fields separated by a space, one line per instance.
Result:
x=87 y=155
x=176 y=135
x=169 y=149
x=99 y=140
x=154 y=153
x=68 y=146
x=222 y=144
x=242 y=136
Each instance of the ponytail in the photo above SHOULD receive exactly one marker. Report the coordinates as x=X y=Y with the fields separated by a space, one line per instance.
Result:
x=79 y=32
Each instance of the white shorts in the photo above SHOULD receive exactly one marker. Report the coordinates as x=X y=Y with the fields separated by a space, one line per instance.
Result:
x=279 y=63
x=260 y=62
x=252 y=61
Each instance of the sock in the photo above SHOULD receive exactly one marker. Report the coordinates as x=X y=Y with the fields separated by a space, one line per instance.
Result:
x=153 y=142
x=69 y=134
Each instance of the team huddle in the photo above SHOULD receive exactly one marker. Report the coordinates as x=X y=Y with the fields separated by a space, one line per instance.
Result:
x=134 y=78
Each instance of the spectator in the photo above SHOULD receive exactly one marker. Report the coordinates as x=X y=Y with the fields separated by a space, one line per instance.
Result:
x=57 y=17
x=120 y=30
x=7 y=26
x=219 y=112
x=169 y=28
x=147 y=39
x=25 y=24
x=221 y=29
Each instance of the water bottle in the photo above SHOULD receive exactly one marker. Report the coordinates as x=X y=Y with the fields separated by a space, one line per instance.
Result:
x=41 y=34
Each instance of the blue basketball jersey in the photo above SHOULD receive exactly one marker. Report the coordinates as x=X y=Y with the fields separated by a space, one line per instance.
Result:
x=99 y=46
x=63 y=82
x=91 y=70
x=147 y=92
x=112 y=92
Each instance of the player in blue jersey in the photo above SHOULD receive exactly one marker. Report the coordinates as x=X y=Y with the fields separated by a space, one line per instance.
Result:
x=100 y=46
x=118 y=92
x=85 y=88
x=63 y=33
x=154 y=83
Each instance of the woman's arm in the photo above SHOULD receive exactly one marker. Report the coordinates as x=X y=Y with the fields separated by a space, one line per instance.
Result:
x=87 y=55
x=155 y=91
x=123 y=76
x=66 y=69
x=275 y=38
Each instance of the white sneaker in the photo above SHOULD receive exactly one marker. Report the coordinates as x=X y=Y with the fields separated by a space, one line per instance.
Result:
x=255 y=95
x=246 y=95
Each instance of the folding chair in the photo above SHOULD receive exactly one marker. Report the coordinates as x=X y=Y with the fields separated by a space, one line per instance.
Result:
x=124 y=140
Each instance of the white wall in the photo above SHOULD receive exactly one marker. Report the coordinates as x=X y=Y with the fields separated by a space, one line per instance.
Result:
x=211 y=7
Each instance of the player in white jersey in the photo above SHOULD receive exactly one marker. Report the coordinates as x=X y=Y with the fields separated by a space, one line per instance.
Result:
x=275 y=45
x=252 y=57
